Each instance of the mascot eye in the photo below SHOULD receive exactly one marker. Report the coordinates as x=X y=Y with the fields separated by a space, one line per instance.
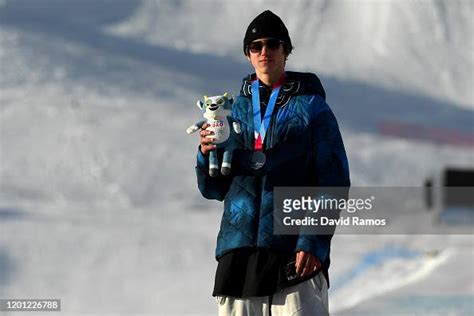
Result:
x=220 y=102
x=208 y=102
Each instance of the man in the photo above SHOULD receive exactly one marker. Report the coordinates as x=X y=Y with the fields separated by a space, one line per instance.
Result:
x=289 y=137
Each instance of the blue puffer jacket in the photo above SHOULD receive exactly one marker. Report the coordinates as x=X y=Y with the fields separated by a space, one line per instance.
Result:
x=303 y=148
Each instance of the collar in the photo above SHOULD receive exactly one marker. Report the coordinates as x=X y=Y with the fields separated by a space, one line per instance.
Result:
x=295 y=83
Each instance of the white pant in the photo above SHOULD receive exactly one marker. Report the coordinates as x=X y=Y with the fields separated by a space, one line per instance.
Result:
x=309 y=298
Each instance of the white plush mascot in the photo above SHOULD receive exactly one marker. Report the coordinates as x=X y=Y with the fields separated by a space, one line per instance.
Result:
x=218 y=113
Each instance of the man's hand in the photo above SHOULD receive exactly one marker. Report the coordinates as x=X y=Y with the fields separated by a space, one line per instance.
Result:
x=306 y=263
x=206 y=142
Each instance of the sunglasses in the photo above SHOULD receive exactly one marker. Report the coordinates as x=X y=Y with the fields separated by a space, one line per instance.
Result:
x=272 y=44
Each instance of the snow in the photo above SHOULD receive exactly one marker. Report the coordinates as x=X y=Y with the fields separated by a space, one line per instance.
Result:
x=411 y=46
x=98 y=199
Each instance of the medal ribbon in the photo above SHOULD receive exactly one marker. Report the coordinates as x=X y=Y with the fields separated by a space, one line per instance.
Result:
x=261 y=126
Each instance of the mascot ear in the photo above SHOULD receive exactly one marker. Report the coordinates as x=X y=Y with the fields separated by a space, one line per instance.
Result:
x=199 y=104
x=229 y=97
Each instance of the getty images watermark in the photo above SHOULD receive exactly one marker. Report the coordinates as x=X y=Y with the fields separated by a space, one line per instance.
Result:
x=363 y=210
x=328 y=204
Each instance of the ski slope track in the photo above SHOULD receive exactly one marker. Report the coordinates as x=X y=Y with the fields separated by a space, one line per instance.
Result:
x=99 y=205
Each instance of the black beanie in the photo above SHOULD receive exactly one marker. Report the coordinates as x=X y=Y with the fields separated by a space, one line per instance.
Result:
x=267 y=24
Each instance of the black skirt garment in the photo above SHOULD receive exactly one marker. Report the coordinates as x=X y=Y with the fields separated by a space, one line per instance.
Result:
x=248 y=272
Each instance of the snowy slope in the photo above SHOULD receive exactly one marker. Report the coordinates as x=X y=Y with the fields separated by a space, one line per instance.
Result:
x=413 y=46
x=98 y=201
x=402 y=275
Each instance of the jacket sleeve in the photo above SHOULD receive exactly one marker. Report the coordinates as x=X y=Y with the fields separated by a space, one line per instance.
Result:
x=213 y=188
x=331 y=169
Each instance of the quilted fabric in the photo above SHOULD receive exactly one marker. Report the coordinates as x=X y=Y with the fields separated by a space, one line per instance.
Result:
x=303 y=148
